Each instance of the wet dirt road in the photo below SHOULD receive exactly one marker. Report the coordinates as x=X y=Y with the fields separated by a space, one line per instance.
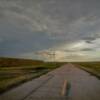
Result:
x=65 y=83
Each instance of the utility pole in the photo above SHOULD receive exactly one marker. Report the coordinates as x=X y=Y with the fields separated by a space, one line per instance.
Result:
x=54 y=51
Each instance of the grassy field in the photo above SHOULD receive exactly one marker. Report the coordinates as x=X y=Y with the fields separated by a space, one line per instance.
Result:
x=92 y=67
x=16 y=71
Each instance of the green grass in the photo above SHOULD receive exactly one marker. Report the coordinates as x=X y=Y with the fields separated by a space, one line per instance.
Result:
x=15 y=71
x=92 y=67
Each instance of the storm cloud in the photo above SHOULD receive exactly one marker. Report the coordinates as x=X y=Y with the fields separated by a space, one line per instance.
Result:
x=71 y=28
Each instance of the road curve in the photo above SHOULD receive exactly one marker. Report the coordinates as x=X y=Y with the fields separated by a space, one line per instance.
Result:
x=83 y=86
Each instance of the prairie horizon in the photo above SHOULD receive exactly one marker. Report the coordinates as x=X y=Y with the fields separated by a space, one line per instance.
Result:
x=49 y=49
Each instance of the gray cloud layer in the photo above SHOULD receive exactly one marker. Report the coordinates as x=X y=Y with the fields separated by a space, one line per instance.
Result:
x=28 y=26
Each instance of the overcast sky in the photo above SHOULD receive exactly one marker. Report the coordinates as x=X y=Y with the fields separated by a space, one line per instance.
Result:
x=38 y=28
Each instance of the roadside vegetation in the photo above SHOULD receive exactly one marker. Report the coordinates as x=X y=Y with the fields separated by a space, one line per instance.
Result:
x=16 y=71
x=92 y=67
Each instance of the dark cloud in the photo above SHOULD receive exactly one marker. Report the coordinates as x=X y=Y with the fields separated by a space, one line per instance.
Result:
x=32 y=25
x=90 y=38
x=87 y=49
x=89 y=41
